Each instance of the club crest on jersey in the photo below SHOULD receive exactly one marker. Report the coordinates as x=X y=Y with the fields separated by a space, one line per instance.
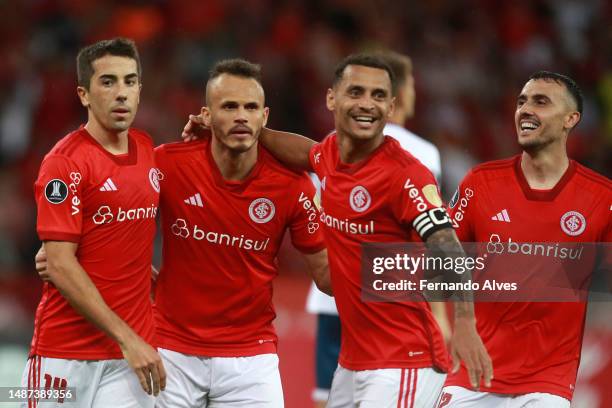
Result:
x=573 y=223
x=261 y=210
x=360 y=199
x=154 y=176
x=56 y=191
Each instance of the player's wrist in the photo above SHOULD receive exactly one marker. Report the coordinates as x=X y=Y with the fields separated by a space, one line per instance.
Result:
x=124 y=335
x=465 y=316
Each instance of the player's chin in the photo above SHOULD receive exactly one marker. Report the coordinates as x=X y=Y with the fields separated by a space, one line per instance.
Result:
x=529 y=142
x=241 y=146
x=366 y=134
x=121 y=125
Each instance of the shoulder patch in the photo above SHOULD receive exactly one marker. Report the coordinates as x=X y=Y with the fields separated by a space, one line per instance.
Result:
x=56 y=191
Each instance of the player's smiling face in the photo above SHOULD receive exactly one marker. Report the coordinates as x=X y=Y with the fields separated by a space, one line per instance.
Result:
x=235 y=111
x=361 y=101
x=114 y=92
x=544 y=113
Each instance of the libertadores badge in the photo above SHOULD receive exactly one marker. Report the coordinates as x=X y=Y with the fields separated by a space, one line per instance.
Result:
x=56 y=191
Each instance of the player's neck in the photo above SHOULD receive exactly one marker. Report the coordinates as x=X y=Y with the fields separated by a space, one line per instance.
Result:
x=544 y=168
x=113 y=142
x=233 y=166
x=354 y=150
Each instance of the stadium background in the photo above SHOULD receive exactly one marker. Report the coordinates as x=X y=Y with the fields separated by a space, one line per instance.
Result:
x=471 y=58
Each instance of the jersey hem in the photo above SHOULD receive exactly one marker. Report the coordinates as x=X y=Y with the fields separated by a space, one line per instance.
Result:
x=219 y=351
x=517 y=390
x=66 y=355
x=381 y=364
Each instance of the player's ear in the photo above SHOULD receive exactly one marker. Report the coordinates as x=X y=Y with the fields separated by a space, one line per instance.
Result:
x=391 y=107
x=138 y=94
x=330 y=99
x=83 y=96
x=205 y=112
x=571 y=120
x=266 y=113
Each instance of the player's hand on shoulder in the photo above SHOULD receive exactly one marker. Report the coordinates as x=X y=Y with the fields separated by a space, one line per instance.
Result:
x=146 y=363
x=195 y=129
x=467 y=346
x=40 y=261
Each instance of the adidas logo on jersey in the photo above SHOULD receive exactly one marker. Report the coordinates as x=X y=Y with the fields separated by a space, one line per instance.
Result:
x=108 y=185
x=195 y=199
x=501 y=216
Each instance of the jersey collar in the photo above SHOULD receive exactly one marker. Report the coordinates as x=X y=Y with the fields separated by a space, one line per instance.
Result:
x=120 y=159
x=239 y=185
x=351 y=168
x=542 y=195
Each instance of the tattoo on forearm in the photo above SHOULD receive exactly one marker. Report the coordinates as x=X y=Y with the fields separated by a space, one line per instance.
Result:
x=445 y=244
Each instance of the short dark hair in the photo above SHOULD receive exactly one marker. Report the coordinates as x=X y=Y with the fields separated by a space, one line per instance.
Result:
x=371 y=60
x=237 y=67
x=564 y=80
x=401 y=65
x=120 y=47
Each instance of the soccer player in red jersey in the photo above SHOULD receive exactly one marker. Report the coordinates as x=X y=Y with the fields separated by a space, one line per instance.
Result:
x=392 y=354
x=225 y=206
x=97 y=194
x=537 y=196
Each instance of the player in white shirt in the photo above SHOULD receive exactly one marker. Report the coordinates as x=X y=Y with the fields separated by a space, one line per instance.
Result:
x=328 y=323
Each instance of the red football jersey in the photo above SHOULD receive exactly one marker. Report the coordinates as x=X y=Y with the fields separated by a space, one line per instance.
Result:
x=107 y=204
x=213 y=296
x=535 y=346
x=377 y=200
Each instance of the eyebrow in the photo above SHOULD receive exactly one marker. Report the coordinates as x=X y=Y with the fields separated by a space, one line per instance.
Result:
x=362 y=88
x=233 y=102
x=523 y=97
x=114 y=77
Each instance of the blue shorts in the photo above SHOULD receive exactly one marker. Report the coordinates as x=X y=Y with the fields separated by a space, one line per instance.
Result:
x=328 y=349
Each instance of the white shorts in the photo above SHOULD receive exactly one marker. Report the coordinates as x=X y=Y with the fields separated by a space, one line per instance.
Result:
x=386 y=388
x=214 y=382
x=97 y=383
x=459 y=397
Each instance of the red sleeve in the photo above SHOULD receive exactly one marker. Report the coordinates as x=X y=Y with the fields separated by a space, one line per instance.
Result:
x=160 y=157
x=461 y=209
x=306 y=231
x=416 y=202
x=316 y=159
x=58 y=199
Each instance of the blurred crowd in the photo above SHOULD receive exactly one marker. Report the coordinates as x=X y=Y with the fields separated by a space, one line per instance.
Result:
x=470 y=58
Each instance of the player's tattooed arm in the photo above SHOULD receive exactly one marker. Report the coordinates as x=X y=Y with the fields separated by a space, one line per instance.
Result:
x=319 y=270
x=466 y=344
x=291 y=149
x=58 y=264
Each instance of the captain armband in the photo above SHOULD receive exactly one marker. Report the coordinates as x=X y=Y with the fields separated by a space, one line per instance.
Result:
x=431 y=221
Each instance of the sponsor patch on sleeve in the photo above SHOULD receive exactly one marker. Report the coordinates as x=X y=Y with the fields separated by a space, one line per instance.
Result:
x=56 y=191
